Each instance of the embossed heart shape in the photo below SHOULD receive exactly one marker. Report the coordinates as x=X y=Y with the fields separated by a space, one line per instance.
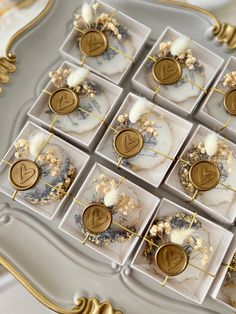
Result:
x=172 y=258
x=96 y=219
x=64 y=101
x=130 y=143
x=167 y=71
x=94 y=43
x=25 y=173
x=205 y=176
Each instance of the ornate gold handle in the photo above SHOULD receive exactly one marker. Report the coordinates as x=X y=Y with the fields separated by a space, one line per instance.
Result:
x=7 y=62
x=224 y=32
x=82 y=306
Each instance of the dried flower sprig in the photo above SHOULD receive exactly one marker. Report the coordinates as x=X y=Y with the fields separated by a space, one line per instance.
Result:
x=178 y=50
x=138 y=115
x=104 y=22
x=120 y=202
x=74 y=79
x=59 y=76
x=230 y=79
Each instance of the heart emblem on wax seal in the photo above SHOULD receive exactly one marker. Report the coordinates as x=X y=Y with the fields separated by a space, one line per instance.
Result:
x=167 y=71
x=63 y=101
x=93 y=43
x=204 y=175
x=23 y=174
x=26 y=173
x=128 y=142
x=96 y=218
x=171 y=259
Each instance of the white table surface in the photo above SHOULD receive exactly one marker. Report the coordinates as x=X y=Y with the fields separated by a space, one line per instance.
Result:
x=14 y=298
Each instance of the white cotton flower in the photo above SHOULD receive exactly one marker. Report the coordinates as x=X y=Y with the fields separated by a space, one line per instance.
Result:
x=87 y=13
x=138 y=109
x=77 y=76
x=178 y=236
x=111 y=198
x=211 y=144
x=179 y=46
x=36 y=143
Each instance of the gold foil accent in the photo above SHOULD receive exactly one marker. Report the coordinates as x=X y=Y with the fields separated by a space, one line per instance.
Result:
x=204 y=175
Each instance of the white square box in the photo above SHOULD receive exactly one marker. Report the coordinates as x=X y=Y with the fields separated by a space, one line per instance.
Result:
x=117 y=252
x=41 y=113
x=212 y=111
x=138 y=32
x=216 y=291
x=225 y=211
x=176 y=127
x=211 y=62
x=192 y=289
x=72 y=154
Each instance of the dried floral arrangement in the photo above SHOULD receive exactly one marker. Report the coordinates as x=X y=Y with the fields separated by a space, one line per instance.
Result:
x=181 y=229
x=178 y=49
x=74 y=79
x=124 y=206
x=93 y=101
x=104 y=22
x=230 y=79
x=192 y=79
x=155 y=130
x=104 y=44
x=229 y=283
x=55 y=167
x=211 y=149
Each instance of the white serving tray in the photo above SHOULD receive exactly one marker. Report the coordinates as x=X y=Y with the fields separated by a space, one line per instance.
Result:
x=55 y=264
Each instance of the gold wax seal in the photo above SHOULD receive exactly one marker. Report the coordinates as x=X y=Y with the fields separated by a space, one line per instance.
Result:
x=93 y=43
x=128 y=142
x=96 y=218
x=63 y=101
x=230 y=101
x=23 y=174
x=204 y=175
x=171 y=259
x=167 y=71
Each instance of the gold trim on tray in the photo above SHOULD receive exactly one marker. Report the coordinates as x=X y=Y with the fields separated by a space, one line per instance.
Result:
x=223 y=32
x=82 y=305
x=7 y=63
